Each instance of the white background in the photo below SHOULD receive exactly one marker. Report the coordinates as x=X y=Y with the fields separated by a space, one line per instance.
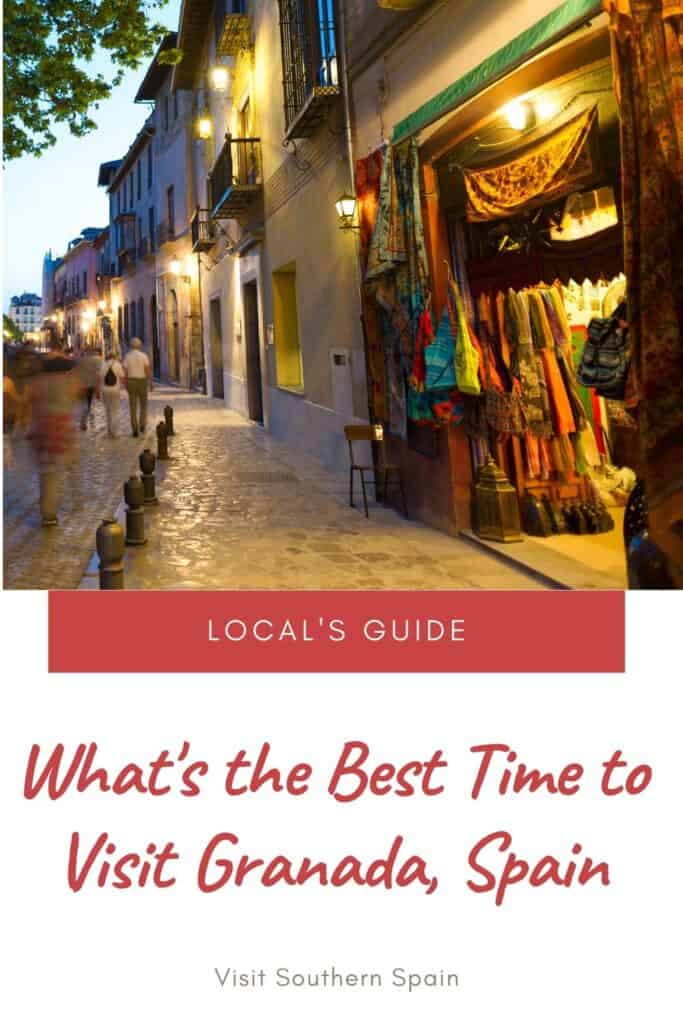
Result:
x=549 y=954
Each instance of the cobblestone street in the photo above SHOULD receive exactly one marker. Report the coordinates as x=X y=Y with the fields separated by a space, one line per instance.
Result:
x=56 y=558
x=238 y=510
x=241 y=511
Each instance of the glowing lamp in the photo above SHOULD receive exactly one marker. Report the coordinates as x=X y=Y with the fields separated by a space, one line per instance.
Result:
x=346 y=211
x=204 y=127
x=219 y=78
x=175 y=266
x=518 y=115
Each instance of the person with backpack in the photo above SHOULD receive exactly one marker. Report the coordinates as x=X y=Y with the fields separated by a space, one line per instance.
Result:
x=110 y=385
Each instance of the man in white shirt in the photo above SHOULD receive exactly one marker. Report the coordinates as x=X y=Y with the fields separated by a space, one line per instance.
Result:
x=138 y=377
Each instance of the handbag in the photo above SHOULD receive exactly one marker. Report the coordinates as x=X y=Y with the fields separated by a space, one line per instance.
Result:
x=605 y=358
x=439 y=357
x=466 y=355
x=504 y=410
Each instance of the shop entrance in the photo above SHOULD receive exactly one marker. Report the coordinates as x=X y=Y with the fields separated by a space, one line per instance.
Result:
x=253 y=351
x=173 y=337
x=537 y=260
x=217 y=386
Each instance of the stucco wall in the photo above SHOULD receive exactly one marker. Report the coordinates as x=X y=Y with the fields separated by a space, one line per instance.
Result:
x=447 y=41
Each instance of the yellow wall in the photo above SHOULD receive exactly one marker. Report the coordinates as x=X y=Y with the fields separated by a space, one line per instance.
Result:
x=286 y=329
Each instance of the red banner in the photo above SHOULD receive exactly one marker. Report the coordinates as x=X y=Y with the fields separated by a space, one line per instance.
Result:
x=336 y=631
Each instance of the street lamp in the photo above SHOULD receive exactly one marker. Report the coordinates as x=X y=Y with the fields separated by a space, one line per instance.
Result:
x=175 y=267
x=204 y=127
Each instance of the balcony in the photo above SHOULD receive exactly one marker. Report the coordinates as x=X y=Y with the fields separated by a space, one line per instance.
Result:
x=126 y=235
x=233 y=35
x=165 y=233
x=144 y=249
x=203 y=231
x=236 y=179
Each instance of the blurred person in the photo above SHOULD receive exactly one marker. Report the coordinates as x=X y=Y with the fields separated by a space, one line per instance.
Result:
x=89 y=369
x=54 y=392
x=110 y=387
x=138 y=374
x=11 y=404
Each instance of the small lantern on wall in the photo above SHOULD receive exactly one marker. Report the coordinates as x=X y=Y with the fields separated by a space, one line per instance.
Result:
x=204 y=127
x=496 y=505
x=219 y=78
x=346 y=211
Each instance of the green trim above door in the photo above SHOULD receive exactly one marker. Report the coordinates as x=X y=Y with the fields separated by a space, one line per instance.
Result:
x=568 y=16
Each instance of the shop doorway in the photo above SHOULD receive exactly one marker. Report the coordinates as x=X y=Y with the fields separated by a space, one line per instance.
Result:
x=173 y=337
x=156 y=354
x=216 y=335
x=253 y=352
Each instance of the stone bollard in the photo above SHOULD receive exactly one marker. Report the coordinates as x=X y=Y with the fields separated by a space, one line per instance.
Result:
x=110 y=547
x=134 y=493
x=162 y=441
x=147 y=464
x=168 y=416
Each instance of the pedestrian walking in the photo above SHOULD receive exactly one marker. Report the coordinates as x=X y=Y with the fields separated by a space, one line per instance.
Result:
x=53 y=394
x=89 y=370
x=138 y=380
x=110 y=388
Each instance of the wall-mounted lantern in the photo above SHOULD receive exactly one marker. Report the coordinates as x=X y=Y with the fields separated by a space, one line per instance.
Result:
x=175 y=267
x=219 y=77
x=346 y=207
x=204 y=127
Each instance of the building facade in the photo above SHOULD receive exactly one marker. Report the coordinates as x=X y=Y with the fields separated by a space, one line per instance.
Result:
x=73 y=307
x=278 y=279
x=153 y=275
x=26 y=312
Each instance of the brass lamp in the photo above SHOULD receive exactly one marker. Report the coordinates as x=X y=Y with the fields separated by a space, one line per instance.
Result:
x=496 y=506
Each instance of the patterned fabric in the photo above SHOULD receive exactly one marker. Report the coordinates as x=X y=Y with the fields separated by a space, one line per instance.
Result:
x=368 y=174
x=439 y=357
x=648 y=58
x=396 y=275
x=549 y=168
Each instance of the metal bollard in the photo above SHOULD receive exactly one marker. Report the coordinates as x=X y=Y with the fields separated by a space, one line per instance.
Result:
x=147 y=463
x=134 y=493
x=162 y=441
x=110 y=547
x=168 y=416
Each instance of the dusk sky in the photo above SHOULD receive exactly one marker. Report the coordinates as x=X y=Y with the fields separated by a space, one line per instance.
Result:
x=49 y=199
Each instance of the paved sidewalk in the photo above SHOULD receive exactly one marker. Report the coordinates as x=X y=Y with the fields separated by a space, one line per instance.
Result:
x=239 y=510
x=35 y=558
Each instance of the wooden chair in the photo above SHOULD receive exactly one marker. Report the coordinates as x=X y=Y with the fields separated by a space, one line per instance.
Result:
x=389 y=473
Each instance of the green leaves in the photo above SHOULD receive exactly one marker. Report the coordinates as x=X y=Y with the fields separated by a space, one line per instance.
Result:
x=48 y=45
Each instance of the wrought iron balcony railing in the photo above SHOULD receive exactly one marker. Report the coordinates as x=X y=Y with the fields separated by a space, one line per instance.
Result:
x=203 y=231
x=236 y=178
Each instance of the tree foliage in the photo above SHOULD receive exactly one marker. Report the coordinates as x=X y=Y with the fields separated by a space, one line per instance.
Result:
x=48 y=46
x=10 y=330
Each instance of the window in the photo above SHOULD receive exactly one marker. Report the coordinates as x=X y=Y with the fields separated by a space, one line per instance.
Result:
x=288 y=369
x=166 y=112
x=139 y=192
x=152 y=229
x=133 y=325
x=125 y=195
x=309 y=50
x=149 y=166
x=141 y=318
x=126 y=331
x=118 y=201
x=170 y=210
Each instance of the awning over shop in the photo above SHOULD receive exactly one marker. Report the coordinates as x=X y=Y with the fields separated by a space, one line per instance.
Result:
x=568 y=16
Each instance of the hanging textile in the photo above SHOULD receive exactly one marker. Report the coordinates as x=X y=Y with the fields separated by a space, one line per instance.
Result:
x=550 y=167
x=647 y=51
x=396 y=274
x=368 y=175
